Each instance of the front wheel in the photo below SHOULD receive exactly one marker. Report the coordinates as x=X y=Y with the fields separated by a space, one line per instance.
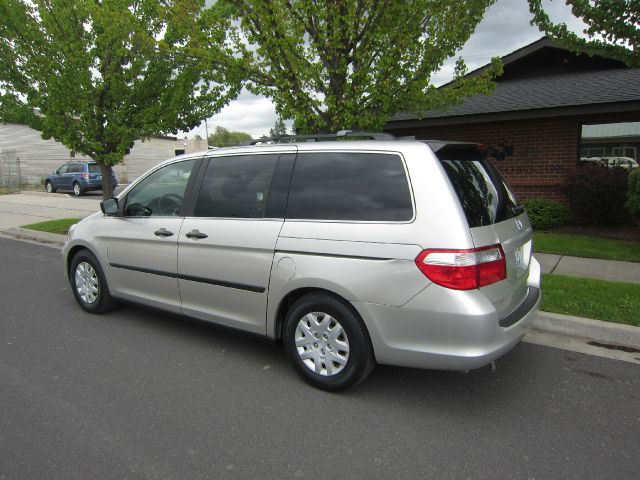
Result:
x=77 y=189
x=49 y=187
x=327 y=343
x=88 y=283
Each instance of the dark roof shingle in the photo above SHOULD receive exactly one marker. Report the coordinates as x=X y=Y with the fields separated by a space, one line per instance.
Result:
x=568 y=90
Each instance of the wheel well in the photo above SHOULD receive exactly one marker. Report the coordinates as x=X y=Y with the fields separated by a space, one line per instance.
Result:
x=292 y=297
x=72 y=253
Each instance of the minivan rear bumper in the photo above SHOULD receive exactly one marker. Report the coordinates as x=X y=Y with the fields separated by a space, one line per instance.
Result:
x=449 y=330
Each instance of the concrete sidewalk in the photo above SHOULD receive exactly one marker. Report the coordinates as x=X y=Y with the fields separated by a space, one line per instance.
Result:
x=32 y=207
x=609 y=270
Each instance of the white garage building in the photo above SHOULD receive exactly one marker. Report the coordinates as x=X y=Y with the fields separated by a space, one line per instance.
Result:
x=26 y=158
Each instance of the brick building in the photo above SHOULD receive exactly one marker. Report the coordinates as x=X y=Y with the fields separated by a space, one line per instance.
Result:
x=543 y=112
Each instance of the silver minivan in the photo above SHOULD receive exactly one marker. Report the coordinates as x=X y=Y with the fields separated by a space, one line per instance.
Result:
x=350 y=253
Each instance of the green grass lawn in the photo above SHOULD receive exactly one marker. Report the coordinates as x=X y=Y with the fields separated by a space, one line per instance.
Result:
x=6 y=191
x=583 y=246
x=584 y=297
x=53 y=226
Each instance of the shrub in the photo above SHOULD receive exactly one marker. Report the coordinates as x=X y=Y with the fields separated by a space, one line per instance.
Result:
x=633 y=193
x=545 y=214
x=597 y=195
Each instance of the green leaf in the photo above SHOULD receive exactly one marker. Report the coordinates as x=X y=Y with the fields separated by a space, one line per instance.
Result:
x=612 y=28
x=352 y=64
x=105 y=74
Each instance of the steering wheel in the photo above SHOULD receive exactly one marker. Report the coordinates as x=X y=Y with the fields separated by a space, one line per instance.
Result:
x=170 y=204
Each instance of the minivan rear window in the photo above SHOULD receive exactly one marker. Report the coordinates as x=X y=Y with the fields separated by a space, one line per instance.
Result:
x=94 y=168
x=484 y=195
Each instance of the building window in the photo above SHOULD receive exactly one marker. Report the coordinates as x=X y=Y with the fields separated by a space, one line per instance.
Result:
x=611 y=144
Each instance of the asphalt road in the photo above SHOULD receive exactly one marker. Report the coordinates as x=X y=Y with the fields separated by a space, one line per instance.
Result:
x=137 y=394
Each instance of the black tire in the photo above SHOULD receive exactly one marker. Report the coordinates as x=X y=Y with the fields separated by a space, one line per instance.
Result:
x=48 y=186
x=77 y=189
x=103 y=300
x=360 y=361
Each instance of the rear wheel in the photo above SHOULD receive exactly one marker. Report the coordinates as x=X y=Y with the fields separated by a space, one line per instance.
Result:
x=327 y=343
x=49 y=187
x=77 y=189
x=88 y=283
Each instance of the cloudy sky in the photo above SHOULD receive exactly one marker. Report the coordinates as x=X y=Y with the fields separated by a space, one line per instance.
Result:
x=505 y=28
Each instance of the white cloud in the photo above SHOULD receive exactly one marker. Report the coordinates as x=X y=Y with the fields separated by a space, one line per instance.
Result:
x=248 y=113
x=505 y=28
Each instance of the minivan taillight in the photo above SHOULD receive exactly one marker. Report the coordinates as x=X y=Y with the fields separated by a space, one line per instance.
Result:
x=464 y=269
x=85 y=176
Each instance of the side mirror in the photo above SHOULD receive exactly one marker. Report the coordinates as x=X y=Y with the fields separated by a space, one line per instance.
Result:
x=56 y=172
x=110 y=206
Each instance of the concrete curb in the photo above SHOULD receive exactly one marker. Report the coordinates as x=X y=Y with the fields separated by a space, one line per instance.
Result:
x=595 y=330
x=35 y=236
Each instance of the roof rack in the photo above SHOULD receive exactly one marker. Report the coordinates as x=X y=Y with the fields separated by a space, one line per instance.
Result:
x=327 y=137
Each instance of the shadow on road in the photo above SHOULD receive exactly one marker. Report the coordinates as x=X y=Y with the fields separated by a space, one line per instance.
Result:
x=478 y=392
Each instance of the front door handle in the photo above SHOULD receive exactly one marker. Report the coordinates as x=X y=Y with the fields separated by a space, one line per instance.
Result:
x=196 y=234
x=163 y=232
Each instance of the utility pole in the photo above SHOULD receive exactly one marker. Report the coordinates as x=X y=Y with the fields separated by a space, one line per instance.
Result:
x=206 y=129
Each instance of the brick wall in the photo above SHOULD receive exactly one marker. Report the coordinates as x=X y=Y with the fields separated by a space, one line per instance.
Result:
x=545 y=151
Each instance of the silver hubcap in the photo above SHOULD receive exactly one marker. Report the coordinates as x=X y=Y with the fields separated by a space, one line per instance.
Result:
x=86 y=282
x=49 y=187
x=322 y=343
x=76 y=189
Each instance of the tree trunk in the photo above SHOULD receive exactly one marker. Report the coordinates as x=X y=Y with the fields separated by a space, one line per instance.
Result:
x=107 y=185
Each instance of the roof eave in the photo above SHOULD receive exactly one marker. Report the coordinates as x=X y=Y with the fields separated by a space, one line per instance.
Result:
x=568 y=111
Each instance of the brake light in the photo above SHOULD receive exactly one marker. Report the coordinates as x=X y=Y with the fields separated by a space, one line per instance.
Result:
x=85 y=176
x=463 y=269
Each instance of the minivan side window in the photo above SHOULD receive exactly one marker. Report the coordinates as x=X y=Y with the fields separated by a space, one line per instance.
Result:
x=236 y=186
x=350 y=186
x=161 y=193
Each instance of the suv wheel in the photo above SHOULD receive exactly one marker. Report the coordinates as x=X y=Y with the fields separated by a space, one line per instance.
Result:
x=49 y=187
x=89 y=284
x=77 y=189
x=327 y=343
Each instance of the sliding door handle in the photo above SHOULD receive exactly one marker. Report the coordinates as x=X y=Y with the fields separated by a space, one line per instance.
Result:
x=196 y=234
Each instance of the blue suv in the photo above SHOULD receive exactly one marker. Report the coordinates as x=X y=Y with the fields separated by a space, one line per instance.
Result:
x=79 y=177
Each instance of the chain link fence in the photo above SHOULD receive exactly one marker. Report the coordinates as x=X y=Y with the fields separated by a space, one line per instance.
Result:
x=10 y=172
